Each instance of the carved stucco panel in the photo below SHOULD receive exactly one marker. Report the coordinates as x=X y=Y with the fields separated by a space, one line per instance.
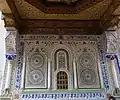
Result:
x=48 y=44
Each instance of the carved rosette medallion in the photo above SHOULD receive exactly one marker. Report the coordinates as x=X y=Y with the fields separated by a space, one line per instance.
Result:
x=36 y=77
x=88 y=77
x=36 y=60
x=86 y=60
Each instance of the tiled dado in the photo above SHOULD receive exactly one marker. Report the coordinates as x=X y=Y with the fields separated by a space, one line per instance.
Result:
x=63 y=96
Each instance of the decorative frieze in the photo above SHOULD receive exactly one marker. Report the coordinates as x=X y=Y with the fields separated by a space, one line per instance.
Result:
x=59 y=96
x=59 y=37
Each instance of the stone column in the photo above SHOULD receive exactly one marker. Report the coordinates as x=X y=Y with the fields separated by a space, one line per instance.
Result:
x=111 y=50
x=23 y=73
x=49 y=74
x=114 y=74
x=11 y=41
x=113 y=69
x=75 y=74
x=11 y=64
x=100 y=73
x=10 y=57
x=2 y=51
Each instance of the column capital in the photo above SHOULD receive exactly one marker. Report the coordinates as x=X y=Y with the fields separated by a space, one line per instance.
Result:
x=49 y=60
x=11 y=56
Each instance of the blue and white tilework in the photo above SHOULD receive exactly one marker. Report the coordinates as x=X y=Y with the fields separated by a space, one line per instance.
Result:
x=112 y=57
x=103 y=65
x=10 y=56
x=19 y=68
x=117 y=67
x=64 y=96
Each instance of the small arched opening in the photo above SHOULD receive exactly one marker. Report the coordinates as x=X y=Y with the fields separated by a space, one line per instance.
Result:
x=62 y=80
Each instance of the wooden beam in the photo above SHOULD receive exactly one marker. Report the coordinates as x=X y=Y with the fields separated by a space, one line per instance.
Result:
x=15 y=13
x=50 y=23
x=108 y=17
x=61 y=31
x=9 y=20
x=68 y=26
x=10 y=15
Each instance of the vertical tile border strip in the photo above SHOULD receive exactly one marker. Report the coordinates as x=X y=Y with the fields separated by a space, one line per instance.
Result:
x=102 y=63
x=19 y=67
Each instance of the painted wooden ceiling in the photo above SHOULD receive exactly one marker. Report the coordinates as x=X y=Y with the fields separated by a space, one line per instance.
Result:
x=86 y=15
x=27 y=10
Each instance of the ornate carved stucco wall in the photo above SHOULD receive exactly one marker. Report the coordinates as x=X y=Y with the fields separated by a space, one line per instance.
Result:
x=88 y=53
x=31 y=77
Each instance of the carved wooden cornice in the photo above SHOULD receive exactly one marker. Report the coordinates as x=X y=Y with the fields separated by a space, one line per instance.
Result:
x=62 y=26
x=50 y=23
x=60 y=31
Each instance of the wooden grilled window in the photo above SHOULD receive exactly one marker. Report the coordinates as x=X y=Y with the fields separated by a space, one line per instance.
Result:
x=62 y=80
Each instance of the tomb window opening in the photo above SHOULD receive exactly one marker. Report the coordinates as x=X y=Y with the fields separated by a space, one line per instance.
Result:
x=62 y=80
